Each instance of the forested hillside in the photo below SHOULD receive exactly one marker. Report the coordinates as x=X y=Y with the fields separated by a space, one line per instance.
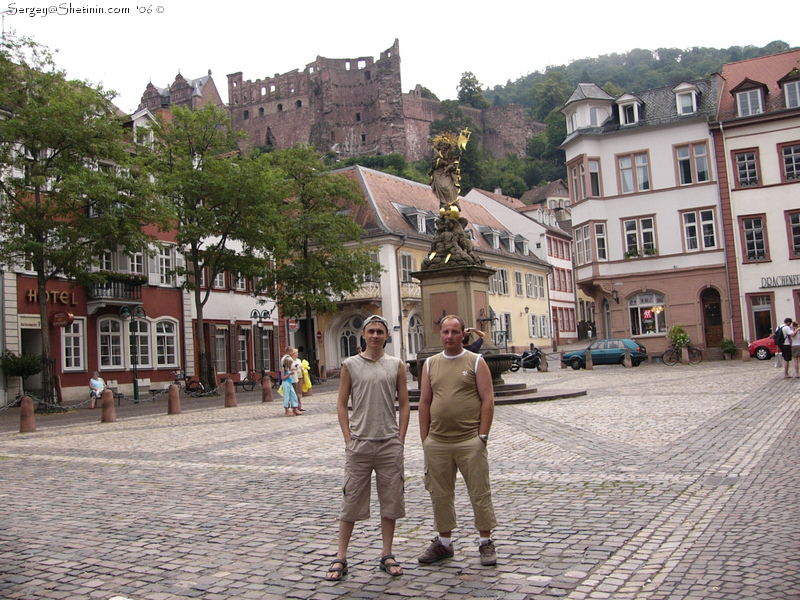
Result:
x=544 y=93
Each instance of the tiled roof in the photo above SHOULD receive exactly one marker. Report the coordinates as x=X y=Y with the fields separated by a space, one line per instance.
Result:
x=502 y=199
x=543 y=192
x=380 y=215
x=587 y=91
x=765 y=69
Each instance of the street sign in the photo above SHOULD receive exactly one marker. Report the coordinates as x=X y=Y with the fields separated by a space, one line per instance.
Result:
x=293 y=325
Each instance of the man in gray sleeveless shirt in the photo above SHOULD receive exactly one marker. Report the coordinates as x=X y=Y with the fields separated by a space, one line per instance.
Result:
x=373 y=442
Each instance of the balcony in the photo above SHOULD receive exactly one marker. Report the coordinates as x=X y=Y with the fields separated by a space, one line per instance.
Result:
x=371 y=290
x=114 y=292
x=410 y=290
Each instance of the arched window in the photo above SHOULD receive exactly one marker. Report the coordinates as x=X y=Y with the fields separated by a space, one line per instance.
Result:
x=166 y=344
x=350 y=336
x=648 y=314
x=416 y=339
x=110 y=334
x=140 y=342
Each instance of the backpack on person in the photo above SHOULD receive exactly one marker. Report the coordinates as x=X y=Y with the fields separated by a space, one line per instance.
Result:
x=779 y=337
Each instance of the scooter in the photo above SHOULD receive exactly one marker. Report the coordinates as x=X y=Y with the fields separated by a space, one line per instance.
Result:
x=530 y=359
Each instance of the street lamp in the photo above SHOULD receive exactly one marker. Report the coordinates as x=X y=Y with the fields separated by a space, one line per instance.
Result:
x=134 y=314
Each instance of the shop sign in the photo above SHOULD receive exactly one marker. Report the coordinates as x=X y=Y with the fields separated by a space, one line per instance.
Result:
x=30 y=322
x=61 y=318
x=65 y=298
x=780 y=281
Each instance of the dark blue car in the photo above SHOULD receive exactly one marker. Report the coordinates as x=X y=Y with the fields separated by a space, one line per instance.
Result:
x=609 y=351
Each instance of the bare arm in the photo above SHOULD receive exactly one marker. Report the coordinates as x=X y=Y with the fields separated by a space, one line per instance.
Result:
x=402 y=401
x=483 y=379
x=425 y=398
x=341 y=404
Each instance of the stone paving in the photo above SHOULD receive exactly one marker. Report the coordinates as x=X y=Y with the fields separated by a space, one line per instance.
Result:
x=661 y=483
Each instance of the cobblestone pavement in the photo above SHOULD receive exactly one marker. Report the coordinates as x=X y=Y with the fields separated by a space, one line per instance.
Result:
x=661 y=483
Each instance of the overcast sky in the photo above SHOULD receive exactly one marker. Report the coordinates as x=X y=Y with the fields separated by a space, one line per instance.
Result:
x=498 y=40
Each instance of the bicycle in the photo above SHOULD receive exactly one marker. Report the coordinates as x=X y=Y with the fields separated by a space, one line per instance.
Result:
x=193 y=387
x=672 y=355
x=248 y=384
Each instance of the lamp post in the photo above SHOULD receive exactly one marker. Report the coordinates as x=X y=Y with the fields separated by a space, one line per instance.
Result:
x=134 y=314
x=259 y=317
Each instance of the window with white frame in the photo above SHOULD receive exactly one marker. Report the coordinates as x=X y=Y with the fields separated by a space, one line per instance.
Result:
x=165 y=265
x=791 y=94
x=239 y=283
x=648 y=315
x=500 y=282
x=110 y=334
x=140 y=342
x=791 y=162
x=107 y=261
x=219 y=281
x=530 y=285
x=600 y=241
x=693 y=165
x=686 y=102
x=639 y=236
x=574 y=189
x=544 y=325
x=540 y=286
x=407 y=266
x=505 y=323
x=166 y=344
x=136 y=262
x=699 y=230
x=754 y=238
x=594 y=177
x=634 y=173
x=376 y=260
x=749 y=102
x=747 y=168
x=519 y=288
x=73 y=346
x=793 y=223
x=629 y=113
x=580 y=244
x=242 y=340
x=221 y=350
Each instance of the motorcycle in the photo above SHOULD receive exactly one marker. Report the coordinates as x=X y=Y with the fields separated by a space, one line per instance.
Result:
x=530 y=359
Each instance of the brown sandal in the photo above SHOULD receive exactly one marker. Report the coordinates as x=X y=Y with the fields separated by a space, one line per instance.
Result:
x=387 y=567
x=338 y=572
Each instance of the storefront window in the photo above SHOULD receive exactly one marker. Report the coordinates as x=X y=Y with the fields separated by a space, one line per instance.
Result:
x=647 y=314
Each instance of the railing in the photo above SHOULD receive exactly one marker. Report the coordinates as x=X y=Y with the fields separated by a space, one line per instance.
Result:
x=370 y=289
x=410 y=289
x=116 y=290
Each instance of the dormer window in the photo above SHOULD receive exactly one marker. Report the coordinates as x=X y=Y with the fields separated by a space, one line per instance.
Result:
x=791 y=94
x=522 y=245
x=749 y=98
x=508 y=242
x=421 y=220
x=686 y=98
x=629 y=109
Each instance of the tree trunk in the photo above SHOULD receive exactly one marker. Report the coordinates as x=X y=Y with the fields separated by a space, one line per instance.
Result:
x=47 y=366
x=311 y=340
x=205 y=370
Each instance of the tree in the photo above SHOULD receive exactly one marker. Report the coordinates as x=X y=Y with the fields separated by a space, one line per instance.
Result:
x=69 y=188
x=320 y=255
x=549 y=93
x=223 y=205
x=470 y=92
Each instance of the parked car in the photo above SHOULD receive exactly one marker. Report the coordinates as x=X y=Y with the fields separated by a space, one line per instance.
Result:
x=609 y=351
x=763 y=349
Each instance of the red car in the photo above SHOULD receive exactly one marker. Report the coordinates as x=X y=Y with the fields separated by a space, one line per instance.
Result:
x=763 y=349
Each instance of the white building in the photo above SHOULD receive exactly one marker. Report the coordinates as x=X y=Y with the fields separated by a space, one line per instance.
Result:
x=647 y=226
x=757 y=133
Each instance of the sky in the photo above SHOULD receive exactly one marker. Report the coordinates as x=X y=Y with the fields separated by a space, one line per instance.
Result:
x=498 y=40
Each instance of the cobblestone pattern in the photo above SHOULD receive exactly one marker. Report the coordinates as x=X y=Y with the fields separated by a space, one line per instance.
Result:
x=660 y=484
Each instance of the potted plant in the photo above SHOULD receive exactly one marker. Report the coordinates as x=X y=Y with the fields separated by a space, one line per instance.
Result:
x=632 y=253
x=728 y=348
x=22 y=365
x=651 y=251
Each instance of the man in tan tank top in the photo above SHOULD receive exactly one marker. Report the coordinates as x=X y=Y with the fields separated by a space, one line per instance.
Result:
x=374 y=441
x=456 y=408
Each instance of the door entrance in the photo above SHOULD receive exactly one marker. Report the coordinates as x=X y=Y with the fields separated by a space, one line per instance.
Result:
x=712 y=318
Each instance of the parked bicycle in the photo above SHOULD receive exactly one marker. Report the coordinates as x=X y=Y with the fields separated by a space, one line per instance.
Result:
x=672 y=355
x=249 y=382
x=191 y=386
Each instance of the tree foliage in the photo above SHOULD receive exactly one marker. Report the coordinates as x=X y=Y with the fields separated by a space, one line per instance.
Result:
x=70 y=189
x=320 y=256
x=224 y=206
x=470 y=92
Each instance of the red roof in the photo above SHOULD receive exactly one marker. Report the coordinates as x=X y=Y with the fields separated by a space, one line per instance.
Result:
x=765 y=69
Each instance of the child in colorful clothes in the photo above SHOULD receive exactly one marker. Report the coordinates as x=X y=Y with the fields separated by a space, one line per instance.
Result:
x=289 y=394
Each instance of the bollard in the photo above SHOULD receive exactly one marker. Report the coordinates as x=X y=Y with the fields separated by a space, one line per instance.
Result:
x=174 y=400
x=626 y=362
x=109 y=413
x=745 y=354
x=685 y=355
x=27 y=420
x=543 y=363
x=589 y=363
x=266 y=389
x=563 y=364
x=230 y=393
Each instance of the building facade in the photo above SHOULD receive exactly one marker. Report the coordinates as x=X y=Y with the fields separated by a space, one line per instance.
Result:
x=647 y=221
x=757 y=138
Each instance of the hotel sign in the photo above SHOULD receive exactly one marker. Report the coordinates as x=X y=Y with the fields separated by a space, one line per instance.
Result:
x=780 y=281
